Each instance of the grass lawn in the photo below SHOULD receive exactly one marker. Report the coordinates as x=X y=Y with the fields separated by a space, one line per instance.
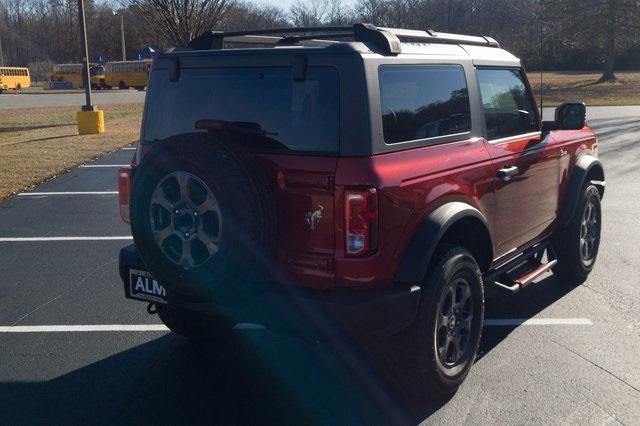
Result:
x=37 y=144
x=582 y=86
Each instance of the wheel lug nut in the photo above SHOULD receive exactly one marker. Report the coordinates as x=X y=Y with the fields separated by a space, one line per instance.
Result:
x=186 y=235
x=177 y=211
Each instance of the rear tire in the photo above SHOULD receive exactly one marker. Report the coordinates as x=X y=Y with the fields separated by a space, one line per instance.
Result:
x=123 y=86
x=432 y=358
x=194 y=325
x=577 y=245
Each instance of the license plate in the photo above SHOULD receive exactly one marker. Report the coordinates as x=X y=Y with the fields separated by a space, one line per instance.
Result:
x=143 y=286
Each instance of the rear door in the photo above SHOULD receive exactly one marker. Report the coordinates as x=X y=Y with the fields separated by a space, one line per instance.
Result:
x=526 y=165
x=292 y=124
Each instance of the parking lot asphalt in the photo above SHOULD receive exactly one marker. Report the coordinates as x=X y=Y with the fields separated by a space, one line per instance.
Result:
x=577 y=362
x=49 y=98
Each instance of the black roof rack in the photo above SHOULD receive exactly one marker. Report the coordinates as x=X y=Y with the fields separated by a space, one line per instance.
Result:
x=386 y=41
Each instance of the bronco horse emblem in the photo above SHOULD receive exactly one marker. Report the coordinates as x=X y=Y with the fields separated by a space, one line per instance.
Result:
x=313 y=218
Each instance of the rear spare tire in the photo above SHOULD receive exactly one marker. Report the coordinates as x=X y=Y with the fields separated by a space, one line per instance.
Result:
x=202 y=216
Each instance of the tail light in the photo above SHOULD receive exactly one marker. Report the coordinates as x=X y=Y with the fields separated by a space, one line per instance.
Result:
x=124 y=192
x=361 y=221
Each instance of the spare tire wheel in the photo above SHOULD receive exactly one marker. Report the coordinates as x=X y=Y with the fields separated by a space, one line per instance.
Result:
x=202 y=215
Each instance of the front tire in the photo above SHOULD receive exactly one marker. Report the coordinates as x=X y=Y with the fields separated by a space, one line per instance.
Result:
x=577 y=245
x=194 y=325
x=433 y=357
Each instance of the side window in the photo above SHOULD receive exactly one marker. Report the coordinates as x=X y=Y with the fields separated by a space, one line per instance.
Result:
x=507 y=104
x=423 y=101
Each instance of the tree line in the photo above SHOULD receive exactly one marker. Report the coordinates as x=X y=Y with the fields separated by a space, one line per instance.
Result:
x=547 y=34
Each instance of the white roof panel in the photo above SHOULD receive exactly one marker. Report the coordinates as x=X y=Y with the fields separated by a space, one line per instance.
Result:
x=491 y=56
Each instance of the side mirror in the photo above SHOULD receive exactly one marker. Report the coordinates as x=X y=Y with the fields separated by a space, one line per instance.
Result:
x=571 y=116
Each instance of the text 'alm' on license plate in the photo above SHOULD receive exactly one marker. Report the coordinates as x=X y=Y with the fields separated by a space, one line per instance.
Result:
x=143 y=286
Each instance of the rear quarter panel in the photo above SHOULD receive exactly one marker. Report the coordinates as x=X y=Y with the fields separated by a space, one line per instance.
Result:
x=411 y=184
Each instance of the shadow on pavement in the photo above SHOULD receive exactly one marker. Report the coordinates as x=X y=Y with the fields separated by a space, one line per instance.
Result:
x=256 y=377
x=525 y=304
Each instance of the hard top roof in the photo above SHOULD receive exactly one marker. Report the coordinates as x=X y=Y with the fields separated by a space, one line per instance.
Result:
x=363 y=39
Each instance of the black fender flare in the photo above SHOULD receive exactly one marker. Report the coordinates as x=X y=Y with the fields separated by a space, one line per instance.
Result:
x=587 y=165
x=417 y=256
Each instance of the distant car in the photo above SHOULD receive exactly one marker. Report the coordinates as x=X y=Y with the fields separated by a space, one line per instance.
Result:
x=370 y=187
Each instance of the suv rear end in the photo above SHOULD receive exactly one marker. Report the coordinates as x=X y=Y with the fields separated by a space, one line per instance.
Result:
x=304 y=118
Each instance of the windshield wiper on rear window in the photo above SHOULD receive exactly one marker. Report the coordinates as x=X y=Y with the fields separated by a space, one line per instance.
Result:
x=247 y=127
x=254 y=135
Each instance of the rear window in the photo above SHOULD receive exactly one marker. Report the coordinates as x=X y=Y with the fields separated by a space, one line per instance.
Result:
x=423 y=101
x=287 y=115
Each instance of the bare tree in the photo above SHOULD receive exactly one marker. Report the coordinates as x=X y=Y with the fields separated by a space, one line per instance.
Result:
x=248 y=15
x=595 y=28
x=577 y=34
x=373 y=11
x=179 y=21
x=311 y=13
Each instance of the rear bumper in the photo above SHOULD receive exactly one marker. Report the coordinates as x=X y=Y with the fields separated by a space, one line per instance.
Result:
x=374 y=313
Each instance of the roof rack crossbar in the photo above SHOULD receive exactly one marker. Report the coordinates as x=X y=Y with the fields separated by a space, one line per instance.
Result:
x=286 y=30
x=386 y=41
x=323 y=37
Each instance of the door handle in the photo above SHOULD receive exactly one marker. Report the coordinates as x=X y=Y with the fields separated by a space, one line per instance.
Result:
x=508 y=172
x=563 y=152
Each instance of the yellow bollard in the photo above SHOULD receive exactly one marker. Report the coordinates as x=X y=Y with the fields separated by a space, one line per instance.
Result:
x=90 y=122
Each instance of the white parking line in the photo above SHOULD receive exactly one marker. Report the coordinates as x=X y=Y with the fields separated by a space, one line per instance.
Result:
x=28 y=194
x=101 y=166
x=509 y=322
x=77 y=328
x=129 y=148
x=250 y=326
x=102 y=327
x=28 y=239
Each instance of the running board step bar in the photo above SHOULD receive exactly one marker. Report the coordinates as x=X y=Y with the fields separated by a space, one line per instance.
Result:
x=524 y=269
x=527 y=278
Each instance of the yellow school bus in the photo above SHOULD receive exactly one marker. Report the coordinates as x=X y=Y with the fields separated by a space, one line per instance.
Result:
x=14 y=78
x=68 y=72
x=125 y=74
x=73 y=74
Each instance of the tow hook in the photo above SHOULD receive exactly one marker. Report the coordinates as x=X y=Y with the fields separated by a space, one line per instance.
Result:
x=152 y=308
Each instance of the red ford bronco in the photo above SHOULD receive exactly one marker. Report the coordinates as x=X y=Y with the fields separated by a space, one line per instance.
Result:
x=354 y=180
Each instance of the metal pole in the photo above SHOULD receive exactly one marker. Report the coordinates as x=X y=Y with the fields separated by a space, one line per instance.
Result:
x=85 y=61
x=541 y=69
x=124 y=51
x=1 y=54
